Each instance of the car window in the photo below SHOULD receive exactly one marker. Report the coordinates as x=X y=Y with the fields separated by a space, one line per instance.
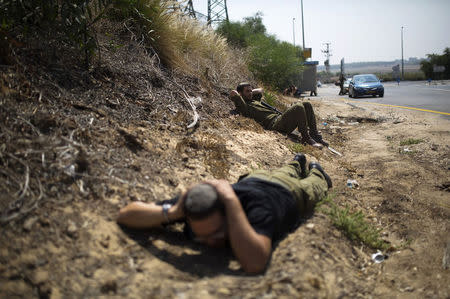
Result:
x=358 y=79
x=370 y=78
x=365 y=79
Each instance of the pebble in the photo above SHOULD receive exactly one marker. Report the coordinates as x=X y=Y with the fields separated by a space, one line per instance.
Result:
x=40 y=277
x=72 y=229
x=224 y=291
x=28 y=225
x=407 y=289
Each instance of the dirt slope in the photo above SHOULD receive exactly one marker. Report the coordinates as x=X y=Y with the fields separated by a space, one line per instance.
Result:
x=76 y=146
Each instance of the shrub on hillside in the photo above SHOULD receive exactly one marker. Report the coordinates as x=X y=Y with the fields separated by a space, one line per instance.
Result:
x=180 y=42
x=276 y=64
x=72 y=18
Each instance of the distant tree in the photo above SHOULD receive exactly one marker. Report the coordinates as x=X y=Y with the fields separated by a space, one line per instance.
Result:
x=239 y=33
x=436 y=60
x=254 y=24
x=275 y=63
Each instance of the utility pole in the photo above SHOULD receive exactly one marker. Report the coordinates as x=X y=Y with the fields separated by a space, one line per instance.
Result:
x=403 y=69
x=303 y=28
x=293 y=30
x=327 y=53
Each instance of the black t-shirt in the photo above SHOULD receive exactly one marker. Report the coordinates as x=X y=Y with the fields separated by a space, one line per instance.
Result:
x=270 y=208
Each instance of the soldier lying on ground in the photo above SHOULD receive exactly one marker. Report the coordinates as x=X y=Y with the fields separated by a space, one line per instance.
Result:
x=300 y=116
x=251 y=215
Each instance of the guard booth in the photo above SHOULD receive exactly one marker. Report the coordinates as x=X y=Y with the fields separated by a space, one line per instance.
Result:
x=309 y=78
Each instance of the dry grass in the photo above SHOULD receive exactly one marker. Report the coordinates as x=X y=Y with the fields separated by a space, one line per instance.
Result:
x=186 y=45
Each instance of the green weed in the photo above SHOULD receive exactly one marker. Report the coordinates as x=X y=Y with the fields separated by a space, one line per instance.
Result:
x=410 y=141
x=296 y=147
x=353 y=224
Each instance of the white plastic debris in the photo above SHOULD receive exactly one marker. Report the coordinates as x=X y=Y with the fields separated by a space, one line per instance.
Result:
x=378 y=257
x=352 y=183
x=70 y=170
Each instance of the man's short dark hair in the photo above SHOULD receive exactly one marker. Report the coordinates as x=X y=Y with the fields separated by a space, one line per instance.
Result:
x=241 y=86
x=201 y=201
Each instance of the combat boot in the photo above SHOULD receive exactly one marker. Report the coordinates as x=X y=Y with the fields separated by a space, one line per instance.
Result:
x=312 y=142
x=318 y=137
x=317 y=166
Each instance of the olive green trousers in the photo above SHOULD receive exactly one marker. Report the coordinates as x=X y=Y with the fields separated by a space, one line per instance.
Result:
x=300 y=116
x=307 y=191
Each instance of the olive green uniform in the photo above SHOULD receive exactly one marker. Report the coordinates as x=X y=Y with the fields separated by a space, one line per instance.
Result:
x=299 y=116
x=307 y=191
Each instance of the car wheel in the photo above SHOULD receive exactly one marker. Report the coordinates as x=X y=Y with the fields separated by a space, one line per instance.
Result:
x=350 y=94
x=381 y=95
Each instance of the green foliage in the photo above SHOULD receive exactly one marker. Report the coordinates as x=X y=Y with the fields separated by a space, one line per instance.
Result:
x=296 y=148
x=353 y=224
x=74 y=18
x=437 y=60
x=409 y=76
x=239 y=33
x=410 y=141
x=277 y=64
x=273 y=62
x=270 y=98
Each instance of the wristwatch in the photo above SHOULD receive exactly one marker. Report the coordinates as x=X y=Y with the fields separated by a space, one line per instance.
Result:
x=165 y=211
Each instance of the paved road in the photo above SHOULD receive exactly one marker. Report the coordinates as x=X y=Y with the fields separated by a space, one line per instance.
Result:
x=416 y=94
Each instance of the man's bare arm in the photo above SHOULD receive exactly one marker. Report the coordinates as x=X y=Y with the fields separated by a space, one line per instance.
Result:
x=148 y=215
x=257 y=94
x=258 y=90
x=239 y=102
x=250 y=248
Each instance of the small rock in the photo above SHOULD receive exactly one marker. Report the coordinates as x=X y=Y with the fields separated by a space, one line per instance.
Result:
x=45 y=291
x=40 y=277
x=310 y=225
x=109 y=287
x=105 y=242
x=446 y=257
x=224 y=291
x=44 y=221
x=315 y=282
x=407 y=289
x=28 y=225
x=72 y=229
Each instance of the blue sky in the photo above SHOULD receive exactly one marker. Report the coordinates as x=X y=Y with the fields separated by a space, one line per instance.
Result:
x=357 y=30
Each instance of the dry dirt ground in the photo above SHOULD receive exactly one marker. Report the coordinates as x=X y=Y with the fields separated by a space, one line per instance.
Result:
x=77 y=147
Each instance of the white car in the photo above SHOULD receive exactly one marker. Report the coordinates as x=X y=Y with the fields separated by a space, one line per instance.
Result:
x=346 y=84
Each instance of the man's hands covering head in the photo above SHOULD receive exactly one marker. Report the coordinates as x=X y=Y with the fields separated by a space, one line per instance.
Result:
x=224 y=190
